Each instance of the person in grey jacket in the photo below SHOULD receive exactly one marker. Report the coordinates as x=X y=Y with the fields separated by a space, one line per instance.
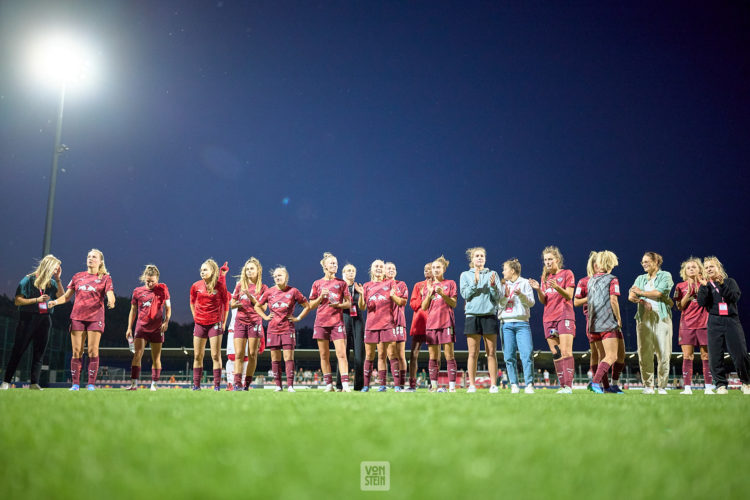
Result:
x=481 y=289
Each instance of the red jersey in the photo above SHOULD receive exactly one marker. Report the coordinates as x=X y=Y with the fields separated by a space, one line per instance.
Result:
x=145 y=301
x=246 y=311
x=379 y=305
x=557 y=308
x=210 y=307
x=439 y=314
x=693 y=317
x=338 y=292
x=281 y=303
x=91 y=295
x=399 y=315
x=582 y=291
x=419 y=320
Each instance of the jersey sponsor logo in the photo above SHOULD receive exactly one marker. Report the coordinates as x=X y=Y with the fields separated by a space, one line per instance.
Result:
x=147 y=304
x=277 y=305
x=86 y=288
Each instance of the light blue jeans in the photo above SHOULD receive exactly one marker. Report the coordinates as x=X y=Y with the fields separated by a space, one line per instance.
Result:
x=517 y=338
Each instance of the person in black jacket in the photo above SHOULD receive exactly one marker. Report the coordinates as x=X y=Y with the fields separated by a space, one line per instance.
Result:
x=35 y=298
x=354 y=322
x=719 y=295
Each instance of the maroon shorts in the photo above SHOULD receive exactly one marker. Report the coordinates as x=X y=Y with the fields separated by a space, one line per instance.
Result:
x=400 y=334
x=154 y=337
x=285 y=341
x=207 y=331
x=329 y=332
x=561 y=327
x=377 y=336
x=693 y=336
x=616 y=334
x=440 y=336
x=86 y=326
x=593 y=337
x=247 y=330
x=419 y=338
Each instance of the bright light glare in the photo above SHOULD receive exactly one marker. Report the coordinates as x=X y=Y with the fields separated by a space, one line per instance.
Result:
x=61 y=60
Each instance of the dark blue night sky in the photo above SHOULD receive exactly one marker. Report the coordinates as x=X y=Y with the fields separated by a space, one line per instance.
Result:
x=395 y=130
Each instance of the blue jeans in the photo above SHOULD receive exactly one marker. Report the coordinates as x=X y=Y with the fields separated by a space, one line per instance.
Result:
x=517 y=338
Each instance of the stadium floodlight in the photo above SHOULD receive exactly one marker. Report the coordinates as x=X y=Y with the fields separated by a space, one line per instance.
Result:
x=63 y=62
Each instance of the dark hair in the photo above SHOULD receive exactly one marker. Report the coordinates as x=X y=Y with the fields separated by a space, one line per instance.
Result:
x=656 y=258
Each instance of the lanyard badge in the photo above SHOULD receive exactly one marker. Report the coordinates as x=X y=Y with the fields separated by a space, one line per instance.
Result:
x=723 y=309
x=43 y=309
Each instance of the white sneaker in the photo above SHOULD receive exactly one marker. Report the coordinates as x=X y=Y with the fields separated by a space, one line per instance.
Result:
x=153 y=387
x=648 y=390
x=473 y=388
x=5 y=386
x=709 y=390
x=662 y=391
x=35 y=387
x=722 y=390
x=452 y=389
x=565 y=390
x=493 y=389
x=278 y=389
x=529 y=389
x=328 y=388
x=290 y=389
x=514 y=389
x=687 y=390
x=346 y=389
x=746 y=389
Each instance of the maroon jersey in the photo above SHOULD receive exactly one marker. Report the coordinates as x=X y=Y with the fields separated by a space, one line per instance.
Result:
x=694 y=317
x=399 y=315
x=246 y=311
x=281 y=304
x=582 y=291
x=439 y=314
x=91 y=295
x=143 y=299
x=338 y=292
x=379 y=305
x=557 y=308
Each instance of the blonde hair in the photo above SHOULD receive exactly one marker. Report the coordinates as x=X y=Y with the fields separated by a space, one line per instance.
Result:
x=470 y=254
x=372 y=276
x=281 y=268
x=514 y=265
x=326 y=256
x=214 y=267
x=245 y=281
x=558 y=256
x=44 y=270
x=718 y=264
x=149 y=270
x=690 y=259
x=102 y=268
x=655 y=257
x=606 y=261
x=443 y=262
x=590 y=264
x=394 y=266
x=347 y=266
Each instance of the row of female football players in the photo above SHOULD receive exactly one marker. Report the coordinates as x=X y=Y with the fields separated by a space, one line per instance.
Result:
x=488 y=298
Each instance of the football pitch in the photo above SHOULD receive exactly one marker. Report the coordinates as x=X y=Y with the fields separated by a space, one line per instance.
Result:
x=175 y=443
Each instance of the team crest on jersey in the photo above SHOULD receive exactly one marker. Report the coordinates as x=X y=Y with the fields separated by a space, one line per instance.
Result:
x=559 y=280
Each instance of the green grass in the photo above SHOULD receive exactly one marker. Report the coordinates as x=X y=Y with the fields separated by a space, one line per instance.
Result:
x=112 y=444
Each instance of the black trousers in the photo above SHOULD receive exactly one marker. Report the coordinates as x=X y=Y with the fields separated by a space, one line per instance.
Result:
x=30 y=327
x=355 y=340
x=726 y=333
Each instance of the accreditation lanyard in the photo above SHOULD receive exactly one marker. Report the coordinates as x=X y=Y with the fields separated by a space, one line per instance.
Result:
x=43 y=309
x=509 y=305
x=723 y=308
x=353 y=307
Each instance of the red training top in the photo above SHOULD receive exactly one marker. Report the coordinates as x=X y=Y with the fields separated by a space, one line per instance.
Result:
x=210 y=307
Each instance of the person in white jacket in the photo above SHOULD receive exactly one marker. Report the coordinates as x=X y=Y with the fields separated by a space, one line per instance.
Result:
x=514 y=312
